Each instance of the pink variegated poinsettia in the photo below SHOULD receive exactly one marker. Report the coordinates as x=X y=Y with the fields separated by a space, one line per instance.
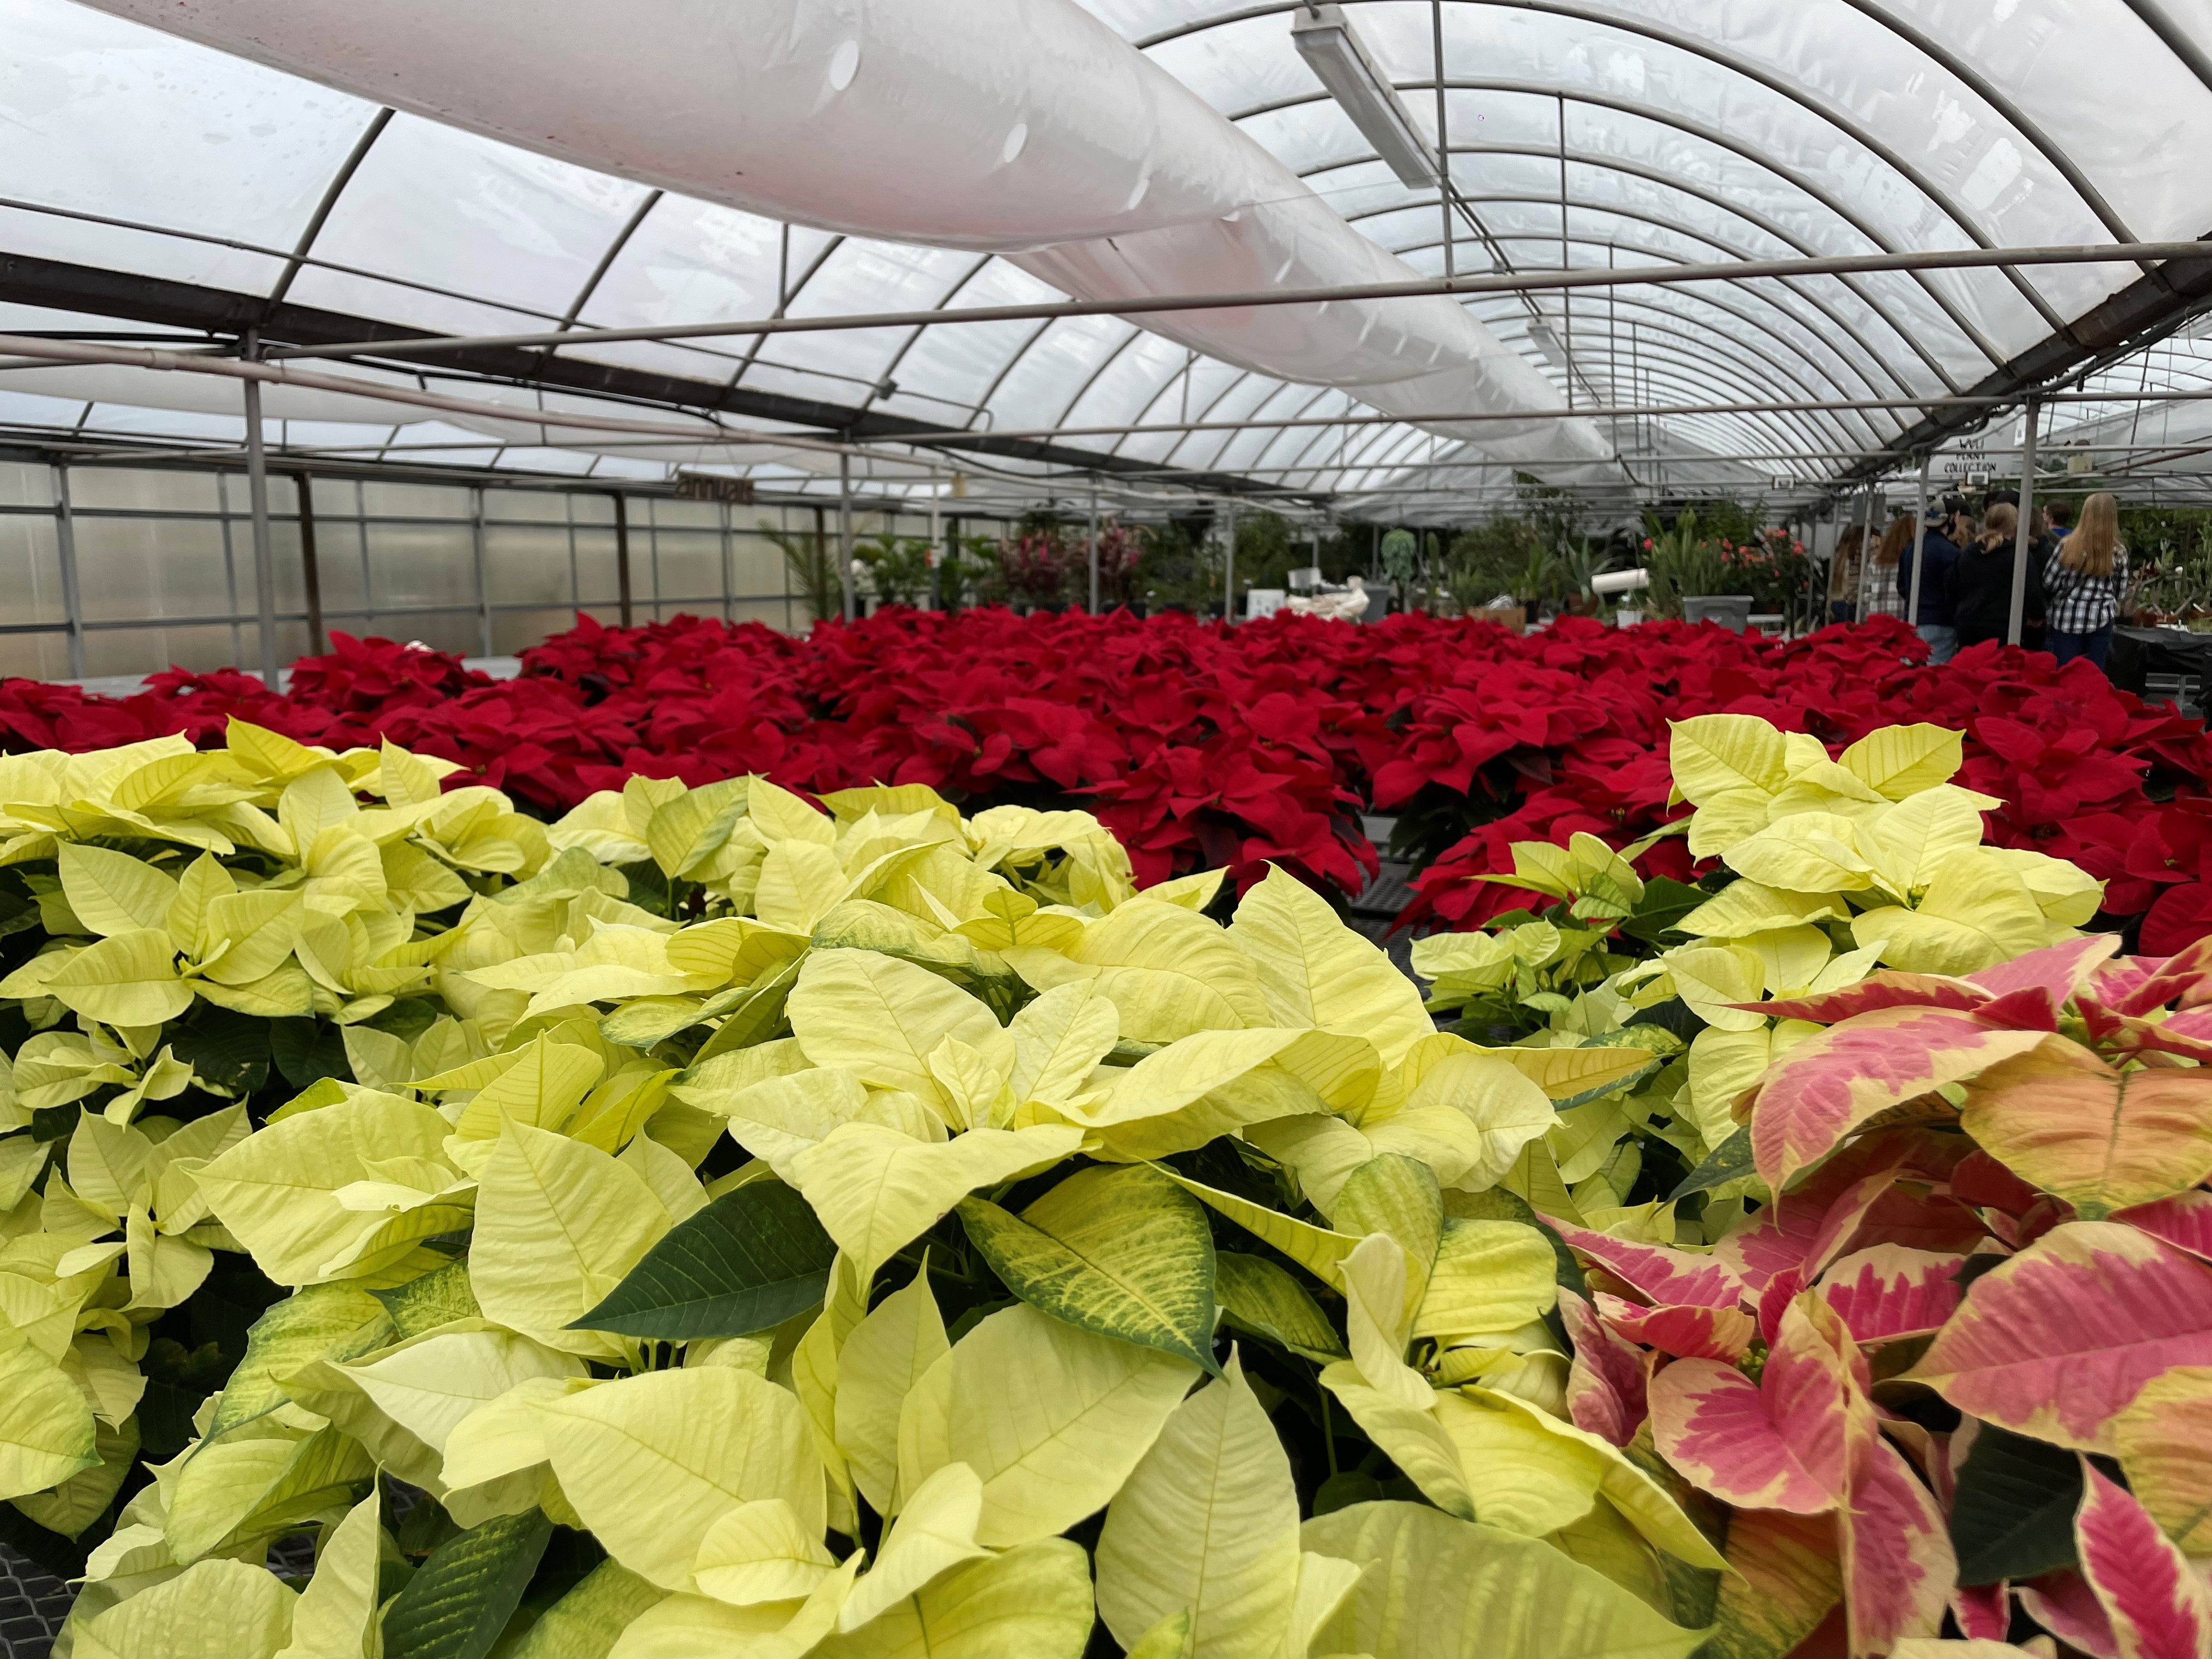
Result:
x=2014 y=1228
x=1748 y=1366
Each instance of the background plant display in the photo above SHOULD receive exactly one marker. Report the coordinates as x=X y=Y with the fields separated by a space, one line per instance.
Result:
x=1206 y=747
x=708 y=1219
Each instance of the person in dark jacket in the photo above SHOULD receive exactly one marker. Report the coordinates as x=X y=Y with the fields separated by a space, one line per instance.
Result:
x=1940 y=549
x=1982 y=581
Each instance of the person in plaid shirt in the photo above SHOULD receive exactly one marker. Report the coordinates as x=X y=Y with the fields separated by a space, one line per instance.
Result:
x=2083 y=581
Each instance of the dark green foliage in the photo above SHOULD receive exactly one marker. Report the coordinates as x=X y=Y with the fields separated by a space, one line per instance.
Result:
x=749 y=1261
x=459 y=1604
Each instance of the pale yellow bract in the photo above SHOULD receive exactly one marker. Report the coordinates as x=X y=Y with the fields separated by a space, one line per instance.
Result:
x=1050 y=1131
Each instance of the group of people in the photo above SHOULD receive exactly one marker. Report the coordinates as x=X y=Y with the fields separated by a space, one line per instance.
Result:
x=2077 y=575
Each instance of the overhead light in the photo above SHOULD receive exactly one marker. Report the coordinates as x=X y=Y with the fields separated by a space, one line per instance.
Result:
x=1324 y=39
x=1547 y=345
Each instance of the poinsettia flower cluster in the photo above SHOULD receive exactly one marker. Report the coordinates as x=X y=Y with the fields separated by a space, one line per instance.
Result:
x=1946 y=1319
x=1207 y=746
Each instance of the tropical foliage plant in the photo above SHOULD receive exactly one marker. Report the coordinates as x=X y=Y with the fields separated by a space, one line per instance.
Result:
x=896 y=568
x=1685 y=563
x=812 y=567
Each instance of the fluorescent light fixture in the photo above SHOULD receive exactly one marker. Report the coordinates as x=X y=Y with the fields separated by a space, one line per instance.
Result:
x=1324 y=39
x=1547 y=341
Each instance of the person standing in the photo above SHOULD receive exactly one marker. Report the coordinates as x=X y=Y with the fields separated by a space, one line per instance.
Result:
x=1843 y=573
x=1940 y=549
x=2054 y=520
x=1884 y=597
x=2086 y=575
x=1981 y=585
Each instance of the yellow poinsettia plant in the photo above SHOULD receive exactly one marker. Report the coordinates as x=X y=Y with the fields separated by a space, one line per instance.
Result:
x=1828 y=868
x=715 y=1222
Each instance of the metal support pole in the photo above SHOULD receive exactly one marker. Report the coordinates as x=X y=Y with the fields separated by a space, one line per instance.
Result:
x=65 y=549
x=729 y=566
x=951 y=552
x=1094 y=547
x=1866 y=553
x=257 y=490
x=622 y=558
x=1443 y=141
x=1566 y=295
x=483 y=576
x=821 y=549
x=311 y=567
x=1919 y=543
x=845 y=530
x=2025 y=540
x=936 y=550
x=1228 y=570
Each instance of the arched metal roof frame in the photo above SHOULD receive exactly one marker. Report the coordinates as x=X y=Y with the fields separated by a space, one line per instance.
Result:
x=337 y=187
x=2004 y=107
x=2186 y=50
x=1842 y=120
x=1630 y=298
x=2014 y=119
x=1801 y=287
x=1797 y=348
x=1687 y=376
x=1844 y=214
x=1743 y=378
x=1722 y=140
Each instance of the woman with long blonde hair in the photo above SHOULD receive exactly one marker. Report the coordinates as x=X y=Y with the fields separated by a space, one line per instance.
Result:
x=2084 y=578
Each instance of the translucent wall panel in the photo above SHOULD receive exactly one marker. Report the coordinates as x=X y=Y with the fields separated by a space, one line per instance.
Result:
x=30 y=594
x=528 y=564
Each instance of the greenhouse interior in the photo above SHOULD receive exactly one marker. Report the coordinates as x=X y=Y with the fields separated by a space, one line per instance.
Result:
x=1106 y=830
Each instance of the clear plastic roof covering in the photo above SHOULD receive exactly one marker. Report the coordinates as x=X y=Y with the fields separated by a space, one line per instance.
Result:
x=182 y=189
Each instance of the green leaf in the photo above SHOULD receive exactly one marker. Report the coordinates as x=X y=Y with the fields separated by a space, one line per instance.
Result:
x=229 y=1050
x=459 y=1604
x=56 y=1122
x=1619 y=1086
x=291 y=1334
x=1729 y=1161
x=750 y=1261
x=1122 y=1251
x=306 y=1049
x=438 y=1297
x=1268 y=1300
x=584 y=1623
x=1664 y=904
x=1499 y=1204
x=2012 y=1515
x=650 y=1021
x=755 y=1018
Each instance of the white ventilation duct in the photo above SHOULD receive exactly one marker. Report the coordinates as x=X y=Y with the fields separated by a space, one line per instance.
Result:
x=1024 y=127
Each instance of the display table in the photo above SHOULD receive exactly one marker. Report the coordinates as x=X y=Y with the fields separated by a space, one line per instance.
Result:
x=2150 y=661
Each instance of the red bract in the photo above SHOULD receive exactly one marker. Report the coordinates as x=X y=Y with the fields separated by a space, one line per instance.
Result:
x=1207 y=746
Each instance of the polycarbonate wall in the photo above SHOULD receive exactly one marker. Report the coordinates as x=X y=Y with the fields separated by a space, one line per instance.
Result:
x=164 y=564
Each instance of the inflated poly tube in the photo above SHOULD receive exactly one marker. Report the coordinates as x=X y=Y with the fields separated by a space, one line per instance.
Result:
x=1025 y=127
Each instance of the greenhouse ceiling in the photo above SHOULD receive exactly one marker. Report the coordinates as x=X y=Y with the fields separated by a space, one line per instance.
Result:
x=1786 y=228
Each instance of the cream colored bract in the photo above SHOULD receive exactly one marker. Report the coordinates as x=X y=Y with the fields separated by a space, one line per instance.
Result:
x=1087 y=1203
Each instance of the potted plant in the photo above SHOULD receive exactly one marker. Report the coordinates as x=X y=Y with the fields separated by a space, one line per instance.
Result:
x=1690 y=576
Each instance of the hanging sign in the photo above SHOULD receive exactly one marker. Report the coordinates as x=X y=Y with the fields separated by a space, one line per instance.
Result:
x=711 y=487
